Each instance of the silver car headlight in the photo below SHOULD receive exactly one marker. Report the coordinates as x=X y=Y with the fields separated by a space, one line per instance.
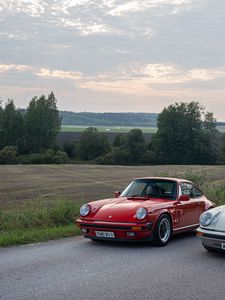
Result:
x=85 y=210
x=141 y=213
x=206 y=219
x=209 y=218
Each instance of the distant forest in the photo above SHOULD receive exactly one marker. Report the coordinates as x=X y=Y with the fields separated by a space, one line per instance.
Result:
x=109 y=119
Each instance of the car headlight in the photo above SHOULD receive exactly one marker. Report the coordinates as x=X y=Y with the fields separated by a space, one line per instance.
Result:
x=141 y=213
x=206 y=219
x=85 y=210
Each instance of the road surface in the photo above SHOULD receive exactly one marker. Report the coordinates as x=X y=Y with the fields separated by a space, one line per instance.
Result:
x=77 y=268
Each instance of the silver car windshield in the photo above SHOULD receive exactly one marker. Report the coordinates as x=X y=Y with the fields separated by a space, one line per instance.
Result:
x=151 y=188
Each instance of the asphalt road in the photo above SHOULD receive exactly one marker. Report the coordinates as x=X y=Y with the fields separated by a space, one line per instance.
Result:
x=76 y=268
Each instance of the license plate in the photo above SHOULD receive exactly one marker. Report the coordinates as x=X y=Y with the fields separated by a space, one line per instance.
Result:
x=223 y=246
x=105 y=234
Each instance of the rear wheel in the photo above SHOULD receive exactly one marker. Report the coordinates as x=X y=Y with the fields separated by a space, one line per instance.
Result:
x=163 y=231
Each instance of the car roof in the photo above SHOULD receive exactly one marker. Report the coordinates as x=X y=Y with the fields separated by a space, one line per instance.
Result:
x=165 y=178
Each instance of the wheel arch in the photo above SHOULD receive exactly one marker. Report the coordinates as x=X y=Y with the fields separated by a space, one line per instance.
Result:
x=169 y=215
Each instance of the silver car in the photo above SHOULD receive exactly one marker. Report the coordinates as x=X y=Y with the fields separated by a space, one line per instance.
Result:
x=212 y=229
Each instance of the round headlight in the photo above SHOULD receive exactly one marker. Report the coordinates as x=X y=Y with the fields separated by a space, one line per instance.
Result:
x=85 y=210
x=141 y=213
x=206 y=219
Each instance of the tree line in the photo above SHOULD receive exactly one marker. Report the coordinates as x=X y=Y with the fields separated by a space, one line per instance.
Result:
x=187 y=134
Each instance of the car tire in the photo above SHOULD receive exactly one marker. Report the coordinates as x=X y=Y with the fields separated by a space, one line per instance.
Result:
x=162 y=231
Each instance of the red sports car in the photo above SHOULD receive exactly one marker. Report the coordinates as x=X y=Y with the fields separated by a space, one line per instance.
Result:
x=149 y=209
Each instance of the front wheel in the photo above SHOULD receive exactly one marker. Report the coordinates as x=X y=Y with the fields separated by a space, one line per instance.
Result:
x=163 y=231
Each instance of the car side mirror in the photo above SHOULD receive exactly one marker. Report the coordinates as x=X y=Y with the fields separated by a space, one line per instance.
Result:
x=117 y=194
x=184 y=198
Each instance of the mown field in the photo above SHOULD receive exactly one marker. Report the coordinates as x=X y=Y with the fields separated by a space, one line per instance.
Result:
x=41 y=202
x=116 y=129
x=113 y=129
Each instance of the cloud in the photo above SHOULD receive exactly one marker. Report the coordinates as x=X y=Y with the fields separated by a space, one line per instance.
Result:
x=144 y=79
x=142 y=5
x=34 y=8
x=47 y=73
x=12 y=67
x=133 y=79
x=40 y=72
x=86 y=29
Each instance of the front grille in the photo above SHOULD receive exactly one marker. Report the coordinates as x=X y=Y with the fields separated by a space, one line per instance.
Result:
x=106 y=226
x=148 y=227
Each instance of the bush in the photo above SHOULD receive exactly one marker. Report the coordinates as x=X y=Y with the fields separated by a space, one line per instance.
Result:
x=61 y=158
x=105 y=159
x=8 y=155
x=47 y=157
x=62 y=213
x=70 y=148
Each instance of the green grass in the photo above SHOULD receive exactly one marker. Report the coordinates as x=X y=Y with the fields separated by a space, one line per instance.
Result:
x=34 y=235
x=117 y=129
x=22 y=226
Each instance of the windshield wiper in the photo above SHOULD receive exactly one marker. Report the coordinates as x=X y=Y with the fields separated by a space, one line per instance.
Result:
x=138 y=196
x=159 y=196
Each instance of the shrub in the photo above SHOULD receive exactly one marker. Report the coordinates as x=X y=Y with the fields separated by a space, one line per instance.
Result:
x=8 y=155
x=47 y=157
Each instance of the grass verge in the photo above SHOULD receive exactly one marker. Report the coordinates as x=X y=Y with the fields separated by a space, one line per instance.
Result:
x=35 y=224
x=33 y=235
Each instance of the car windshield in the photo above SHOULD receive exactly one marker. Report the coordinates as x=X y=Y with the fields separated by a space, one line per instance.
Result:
x=151 y=188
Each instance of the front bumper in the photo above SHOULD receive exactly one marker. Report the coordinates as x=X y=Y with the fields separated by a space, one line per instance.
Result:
x=212 y=238
x=122 y=231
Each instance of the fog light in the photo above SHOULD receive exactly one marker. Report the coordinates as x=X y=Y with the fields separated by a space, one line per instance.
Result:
x=84 y=230
x=130 y=233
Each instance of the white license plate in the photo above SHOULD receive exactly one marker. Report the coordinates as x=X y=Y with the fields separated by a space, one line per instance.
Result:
x=223 y=246
x=105 y=234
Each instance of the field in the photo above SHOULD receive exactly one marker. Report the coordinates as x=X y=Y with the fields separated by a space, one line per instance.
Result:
x=22 y=184
x=114 y=129
x=40 y=202
x=117 y=129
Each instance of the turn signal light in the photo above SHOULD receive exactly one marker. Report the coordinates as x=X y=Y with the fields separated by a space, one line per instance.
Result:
x=200 y=233
x=136 y=228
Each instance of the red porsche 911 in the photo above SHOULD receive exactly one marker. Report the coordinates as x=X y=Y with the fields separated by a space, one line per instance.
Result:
x=149 y=209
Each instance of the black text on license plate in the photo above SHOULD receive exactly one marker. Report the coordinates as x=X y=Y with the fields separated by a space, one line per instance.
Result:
x=223 y=246
x=105 y=234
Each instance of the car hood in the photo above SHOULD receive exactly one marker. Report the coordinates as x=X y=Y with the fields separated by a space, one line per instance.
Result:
x=219 y=224
x=123 y=209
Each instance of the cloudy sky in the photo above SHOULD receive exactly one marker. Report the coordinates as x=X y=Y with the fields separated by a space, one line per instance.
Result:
x=114 y=55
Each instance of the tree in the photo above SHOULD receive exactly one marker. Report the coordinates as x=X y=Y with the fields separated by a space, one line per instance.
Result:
x=11 y=125
x=42 y=123
x=185 y=135
x=93 y=144
x=135 y=146
x=129 y=148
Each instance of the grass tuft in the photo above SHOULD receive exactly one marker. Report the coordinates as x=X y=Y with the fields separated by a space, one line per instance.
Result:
x=38 y=224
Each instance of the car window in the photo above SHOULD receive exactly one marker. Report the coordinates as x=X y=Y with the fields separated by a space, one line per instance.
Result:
x=152 y=188
x=197 y=192
x=187 y=189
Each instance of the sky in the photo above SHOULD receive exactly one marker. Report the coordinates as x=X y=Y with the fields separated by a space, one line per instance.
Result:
x=114 y=55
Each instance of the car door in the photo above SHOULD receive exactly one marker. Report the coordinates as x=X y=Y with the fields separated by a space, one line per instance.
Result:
x=200 y=200
x=187 y=211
